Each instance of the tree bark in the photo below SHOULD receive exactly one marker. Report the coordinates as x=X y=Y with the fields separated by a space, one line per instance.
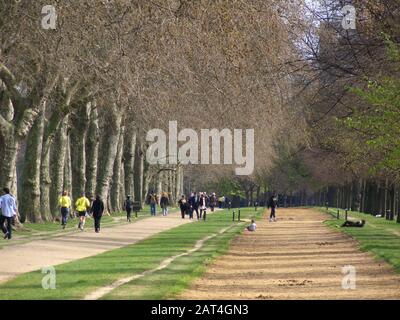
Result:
x=146 y=178
x=129 y=158
x=45 y=183
x=29 y=196
x=92 y=150
x=178 y=182
x=107 y=153
x=58 y=158
x=116 y=178
x=67 y=180
x=139 y=171
x=79 y=122
x=8 y=163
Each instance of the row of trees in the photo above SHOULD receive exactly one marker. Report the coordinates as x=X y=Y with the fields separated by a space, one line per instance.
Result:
x=351 y=158
x=77 y=101
x=347 y=86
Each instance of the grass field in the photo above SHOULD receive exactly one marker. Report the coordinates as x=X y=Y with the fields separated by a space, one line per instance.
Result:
x=78 y=278
x=379 y=236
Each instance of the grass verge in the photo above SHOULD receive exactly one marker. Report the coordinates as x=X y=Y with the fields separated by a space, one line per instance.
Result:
x=74 y=280
x=379 y=236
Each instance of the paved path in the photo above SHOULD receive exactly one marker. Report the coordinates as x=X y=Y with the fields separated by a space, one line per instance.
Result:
x=34 y=255
x=297 y=257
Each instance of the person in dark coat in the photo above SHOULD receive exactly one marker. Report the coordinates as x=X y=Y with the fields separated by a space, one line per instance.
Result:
x=273 y=203
x=213 y=201
x=183 y=205
x=97 y=211
x=128 y=204
x=164 y=203
x=202 y=204
x=194 y=202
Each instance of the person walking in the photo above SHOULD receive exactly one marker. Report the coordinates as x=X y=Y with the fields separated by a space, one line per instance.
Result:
x=97 y=211
x=128 y=205
x=65 y=205
x=82 y=205
x=273 y=203
x=202 y=205
x=194 y=202
x=153 y=203
x=213 y=201
x=9 y=211
x=164 y=202
x=183 y=205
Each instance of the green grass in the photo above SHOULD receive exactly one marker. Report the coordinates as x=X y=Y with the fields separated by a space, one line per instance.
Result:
x=49 y=229
x=379 y=236
x=78 y=278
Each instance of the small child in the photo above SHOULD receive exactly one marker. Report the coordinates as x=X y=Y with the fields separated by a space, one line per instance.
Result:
x=252 y=227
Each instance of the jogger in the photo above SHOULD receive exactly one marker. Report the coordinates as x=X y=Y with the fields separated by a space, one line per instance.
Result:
x=82 y=205
x=8 y=212
x=65 y=204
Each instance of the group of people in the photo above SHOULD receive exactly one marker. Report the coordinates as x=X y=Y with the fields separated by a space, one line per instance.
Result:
x=84 y=208
x=197 y=202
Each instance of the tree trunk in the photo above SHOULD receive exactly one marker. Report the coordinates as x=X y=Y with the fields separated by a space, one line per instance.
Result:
x=385 y=197
x=29 y=196
x=45 y=183
x=92 y=150
x=363 y=190
x=78 y=157
x=116 y=178
x=122 y=192
x=129 y=159
x=67 y=180
x=178 y=182
x=160 y=178
x=146 y=178
x=107 y=153
x=8 y=163
x=57 y=163
x=139 y=171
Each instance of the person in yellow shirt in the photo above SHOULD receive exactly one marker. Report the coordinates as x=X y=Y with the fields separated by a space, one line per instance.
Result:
x=82 y=204
x=65 y=205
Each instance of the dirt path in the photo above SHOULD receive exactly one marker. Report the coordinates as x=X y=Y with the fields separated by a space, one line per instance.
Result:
x=34 y=255
x=297 y=257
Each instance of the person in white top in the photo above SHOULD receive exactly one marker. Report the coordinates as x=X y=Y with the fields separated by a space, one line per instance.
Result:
x=8 y=208
x=252 y=227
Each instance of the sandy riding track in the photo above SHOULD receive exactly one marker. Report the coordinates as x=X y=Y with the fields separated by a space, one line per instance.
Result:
x=297 y=257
